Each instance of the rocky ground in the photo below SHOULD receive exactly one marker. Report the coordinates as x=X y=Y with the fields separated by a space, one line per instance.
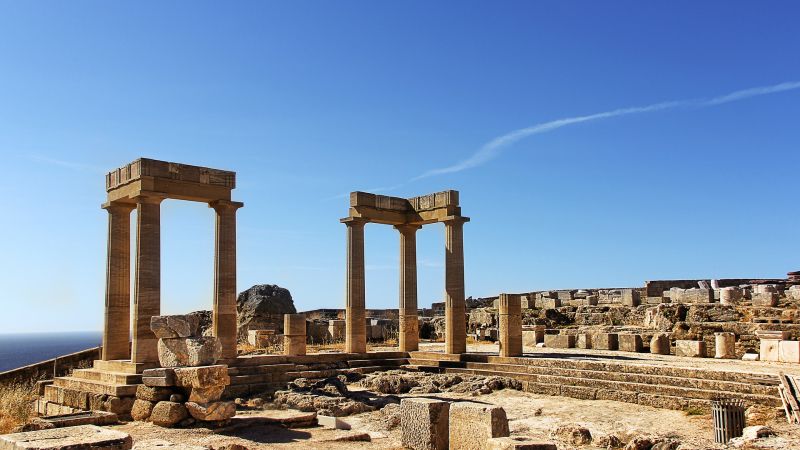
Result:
x=369 y=406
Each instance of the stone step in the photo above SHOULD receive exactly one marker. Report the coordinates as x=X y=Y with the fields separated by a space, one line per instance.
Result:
x=313 y=358
x=588 y=388
x=380 y=362
x=259 y=370
x=121 y=366
x=107 y=377
x=95 y=387
x=695 y=383
x=258 y=378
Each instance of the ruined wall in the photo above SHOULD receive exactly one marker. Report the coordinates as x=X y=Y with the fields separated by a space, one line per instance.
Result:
x=46 y=370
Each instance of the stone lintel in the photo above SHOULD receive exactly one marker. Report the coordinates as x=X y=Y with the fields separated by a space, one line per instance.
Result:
x=171 y=180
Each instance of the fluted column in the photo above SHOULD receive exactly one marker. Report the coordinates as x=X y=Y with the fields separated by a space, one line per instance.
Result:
x=409 y=322
x=356 y=330
x=117 y=323
x=147 y=296
x=510 y=324
x=455 y=309
x=224 y=314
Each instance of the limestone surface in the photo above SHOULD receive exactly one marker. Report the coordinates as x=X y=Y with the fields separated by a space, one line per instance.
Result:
x=182 y=352
x=207 y=394
x=168 y=414
x=212 y=412
x=518 y=443
x=178 y=326
x=424 y=423
x=202 y=377
x=473 y=424
x=142 y=409
x=68 y=438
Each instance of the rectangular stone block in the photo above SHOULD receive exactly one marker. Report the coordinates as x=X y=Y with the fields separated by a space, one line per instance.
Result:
x=769 y=350
x=202 y=377
x=68 y=438
x=630 y=297
x=605 y=341
x=765 y=299
x=424 y=423
x=694 y=295
x=549 y=303
x=789 y=351
x=473 y=424
x=630 y=343
x=584 y=341
x=559 y=340
x=693 y=349
x=532 y=335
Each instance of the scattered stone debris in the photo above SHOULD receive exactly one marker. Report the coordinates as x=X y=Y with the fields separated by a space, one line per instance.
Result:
x=573 y=434
x=403 y=382
x=331 y=397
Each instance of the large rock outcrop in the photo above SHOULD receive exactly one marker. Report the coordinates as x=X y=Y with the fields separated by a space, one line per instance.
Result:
x=262 y=307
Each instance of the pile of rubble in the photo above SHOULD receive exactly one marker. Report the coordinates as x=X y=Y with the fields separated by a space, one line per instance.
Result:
x=188 y=387
x=403 y=382
x=331 y=397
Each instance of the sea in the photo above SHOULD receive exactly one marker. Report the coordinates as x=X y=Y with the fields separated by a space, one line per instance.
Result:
x=17 y=350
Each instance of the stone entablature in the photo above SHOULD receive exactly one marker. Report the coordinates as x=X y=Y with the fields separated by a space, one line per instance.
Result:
x=180 y=181
x=431 y=208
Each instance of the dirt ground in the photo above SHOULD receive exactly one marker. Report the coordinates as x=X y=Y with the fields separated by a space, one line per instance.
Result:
x=530 y=415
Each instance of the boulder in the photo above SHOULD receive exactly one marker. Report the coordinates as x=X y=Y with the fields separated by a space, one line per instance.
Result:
x=180 y=326
x=262 y=307
x=202 y=377
x=182 y=352
x=152 y=394
x=212 y=412
x=168 y=414
x=142 y=409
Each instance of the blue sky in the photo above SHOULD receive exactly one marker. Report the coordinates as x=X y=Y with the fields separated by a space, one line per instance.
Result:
x=307 y=101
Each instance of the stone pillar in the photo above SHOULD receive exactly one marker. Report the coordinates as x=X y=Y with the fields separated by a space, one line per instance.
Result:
x=117 y=323
x=224 y=313
x=725 y=345
x=356 y=330
x=294 y=334
x=455 y=309
x=409 y=322
x=510 y=321
x=147 y=296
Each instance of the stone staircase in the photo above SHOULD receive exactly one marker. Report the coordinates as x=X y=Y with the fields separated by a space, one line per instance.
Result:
x=661 y=386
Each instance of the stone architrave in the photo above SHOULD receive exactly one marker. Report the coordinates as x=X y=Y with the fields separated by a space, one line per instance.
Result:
x=148 y=278
x=356 y=330
x=294 y=334
x=116 y=326
x=472 y=424
x=455 y=308
x=510 y=323
x=725 y=345
x=424 y=423
x=224 y=313
x=409 y=322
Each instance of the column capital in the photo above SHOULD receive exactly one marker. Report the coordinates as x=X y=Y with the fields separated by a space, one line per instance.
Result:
x=225 y=205
x=149 y=198
x=118 y=207
x=407 y=228
x=455 y=220
x=354 y=221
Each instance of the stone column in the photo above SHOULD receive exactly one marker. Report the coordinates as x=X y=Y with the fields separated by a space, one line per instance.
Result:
x=294 y=334
x=147 y=296
x=356 y=330
x=660 y=344
x=224 y=314
x=455 y=309
x=510 y=321
x=409 y=322
x=725 y=345
x=117 y=323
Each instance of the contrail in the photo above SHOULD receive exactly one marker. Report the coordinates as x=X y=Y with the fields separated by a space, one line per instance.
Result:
x=493 y=148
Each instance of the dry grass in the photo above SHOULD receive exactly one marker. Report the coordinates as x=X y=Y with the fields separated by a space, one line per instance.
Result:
x=16 y=406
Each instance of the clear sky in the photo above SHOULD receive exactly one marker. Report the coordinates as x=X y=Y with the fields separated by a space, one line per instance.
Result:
x=524 y=107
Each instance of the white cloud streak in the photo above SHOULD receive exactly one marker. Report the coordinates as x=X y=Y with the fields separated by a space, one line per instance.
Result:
x=493 y=148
